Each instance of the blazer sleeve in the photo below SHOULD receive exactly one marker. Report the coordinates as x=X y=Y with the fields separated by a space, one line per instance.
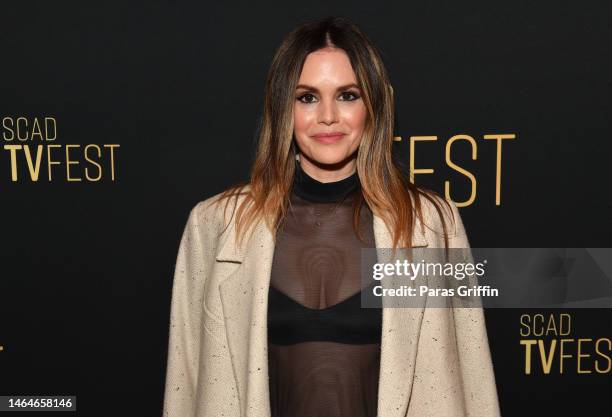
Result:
x=476 y=367
x=191 y=268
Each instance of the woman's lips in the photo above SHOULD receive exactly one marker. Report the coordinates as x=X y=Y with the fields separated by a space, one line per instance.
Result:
x=328 y=137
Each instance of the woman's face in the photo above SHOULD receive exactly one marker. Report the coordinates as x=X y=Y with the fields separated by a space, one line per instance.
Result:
x=329 y=114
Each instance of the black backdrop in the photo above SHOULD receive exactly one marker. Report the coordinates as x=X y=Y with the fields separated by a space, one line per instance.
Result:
x=87 y=265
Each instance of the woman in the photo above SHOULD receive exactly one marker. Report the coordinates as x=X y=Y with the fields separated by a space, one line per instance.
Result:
x=266 y=317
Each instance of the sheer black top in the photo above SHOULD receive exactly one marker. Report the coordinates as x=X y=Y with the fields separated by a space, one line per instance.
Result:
x=323 y=348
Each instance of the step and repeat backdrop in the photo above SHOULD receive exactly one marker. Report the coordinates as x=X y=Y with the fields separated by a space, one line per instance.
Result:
x=118 y=117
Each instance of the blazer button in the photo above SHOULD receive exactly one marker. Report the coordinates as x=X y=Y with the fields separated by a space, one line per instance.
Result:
x=318 y=223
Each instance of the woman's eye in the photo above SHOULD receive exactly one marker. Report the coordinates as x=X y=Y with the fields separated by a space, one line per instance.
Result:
x=345 y=96
x=306 y=98
x=348 y=96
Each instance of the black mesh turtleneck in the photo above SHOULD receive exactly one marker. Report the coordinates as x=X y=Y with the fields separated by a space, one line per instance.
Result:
x=313 y=190
x=323 y=348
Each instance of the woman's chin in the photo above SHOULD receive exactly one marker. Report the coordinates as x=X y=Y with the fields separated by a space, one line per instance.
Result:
x=327 y=159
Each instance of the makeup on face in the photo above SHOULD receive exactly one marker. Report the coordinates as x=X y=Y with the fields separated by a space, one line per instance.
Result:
x=329 y=113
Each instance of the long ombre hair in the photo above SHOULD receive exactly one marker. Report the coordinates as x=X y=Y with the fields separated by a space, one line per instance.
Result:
x=384 y=188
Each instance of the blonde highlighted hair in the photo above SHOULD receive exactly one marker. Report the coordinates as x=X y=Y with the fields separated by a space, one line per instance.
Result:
x=384 y=188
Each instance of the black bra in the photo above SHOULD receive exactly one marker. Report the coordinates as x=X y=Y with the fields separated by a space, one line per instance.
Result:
x=289 y=322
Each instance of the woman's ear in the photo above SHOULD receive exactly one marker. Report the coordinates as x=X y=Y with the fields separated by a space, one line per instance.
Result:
x=296 y=150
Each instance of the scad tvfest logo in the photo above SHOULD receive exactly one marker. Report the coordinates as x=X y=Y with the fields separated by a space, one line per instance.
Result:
x=550 y=347
x=31 y=151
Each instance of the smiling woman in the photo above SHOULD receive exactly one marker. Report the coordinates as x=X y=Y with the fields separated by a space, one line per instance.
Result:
x=269 y=323
x=329 y=115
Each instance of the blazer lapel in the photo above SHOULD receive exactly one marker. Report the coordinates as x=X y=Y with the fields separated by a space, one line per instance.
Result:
x=244 y=297
x=400 y=333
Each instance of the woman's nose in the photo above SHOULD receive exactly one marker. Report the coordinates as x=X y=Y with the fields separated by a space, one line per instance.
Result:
x=328 y=112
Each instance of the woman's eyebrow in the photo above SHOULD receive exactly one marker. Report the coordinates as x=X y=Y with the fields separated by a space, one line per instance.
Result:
x=311 y=88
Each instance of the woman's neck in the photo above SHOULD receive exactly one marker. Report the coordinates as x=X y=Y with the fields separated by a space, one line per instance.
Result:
x=311 y=189
x=330 y=173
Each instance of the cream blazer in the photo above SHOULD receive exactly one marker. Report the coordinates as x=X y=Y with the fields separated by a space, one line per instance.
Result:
x=434 y=361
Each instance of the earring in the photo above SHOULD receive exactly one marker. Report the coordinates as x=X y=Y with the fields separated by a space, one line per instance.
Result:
x=297 y=157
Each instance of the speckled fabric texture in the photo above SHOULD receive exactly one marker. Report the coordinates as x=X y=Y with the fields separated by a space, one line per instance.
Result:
x=434 y=361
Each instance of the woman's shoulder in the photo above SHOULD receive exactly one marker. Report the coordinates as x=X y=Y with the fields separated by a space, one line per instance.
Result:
x=439 y=214
x=216 y=210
